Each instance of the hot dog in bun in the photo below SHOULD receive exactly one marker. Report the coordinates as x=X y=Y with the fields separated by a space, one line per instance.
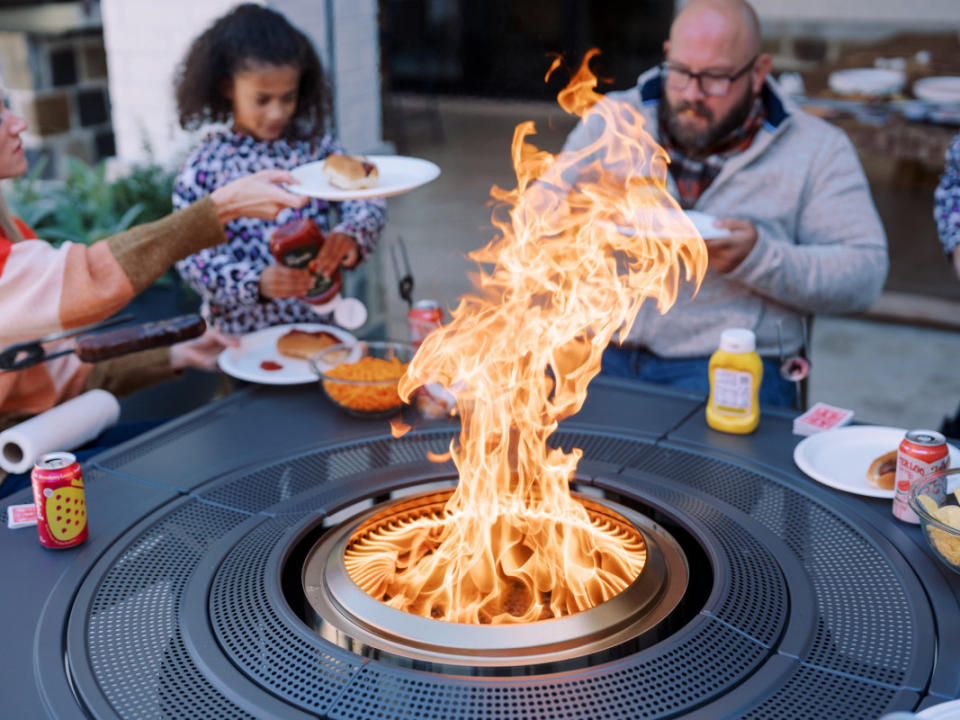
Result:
x=304 y=344
x=350 y=172
x=883 y=471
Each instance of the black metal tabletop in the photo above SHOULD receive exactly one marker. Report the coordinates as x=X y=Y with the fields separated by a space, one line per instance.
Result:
x=190 y=458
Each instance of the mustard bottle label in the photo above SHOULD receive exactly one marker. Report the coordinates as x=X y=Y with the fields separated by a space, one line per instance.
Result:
x=732 y=391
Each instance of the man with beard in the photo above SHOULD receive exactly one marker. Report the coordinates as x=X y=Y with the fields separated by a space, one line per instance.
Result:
x=802 y=233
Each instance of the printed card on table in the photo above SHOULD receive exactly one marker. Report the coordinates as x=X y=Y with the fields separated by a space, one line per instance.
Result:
x=19 y=516
x=821 y=417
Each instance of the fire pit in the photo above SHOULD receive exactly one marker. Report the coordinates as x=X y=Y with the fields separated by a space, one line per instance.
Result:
x=348 y=606
x=510 y=546
x=189 y=599
x=619 y=564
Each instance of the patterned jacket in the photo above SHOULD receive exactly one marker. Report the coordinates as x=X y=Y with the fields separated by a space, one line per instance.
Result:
x=227 y=277
x=946 y=208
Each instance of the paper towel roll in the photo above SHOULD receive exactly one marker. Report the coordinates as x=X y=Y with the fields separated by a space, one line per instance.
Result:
x=65 y=427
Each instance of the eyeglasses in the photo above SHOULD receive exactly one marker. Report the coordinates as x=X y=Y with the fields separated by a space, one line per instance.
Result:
x=678 y=78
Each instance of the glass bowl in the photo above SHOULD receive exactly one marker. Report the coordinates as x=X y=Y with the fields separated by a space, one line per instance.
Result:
x=361 y=377
x=943 y=538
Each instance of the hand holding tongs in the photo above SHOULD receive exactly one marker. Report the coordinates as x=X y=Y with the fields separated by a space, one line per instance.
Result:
x=30 y=353
x=404 y=281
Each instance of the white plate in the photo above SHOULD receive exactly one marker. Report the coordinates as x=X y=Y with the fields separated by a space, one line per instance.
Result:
x=867 y=81
x=944 y=711
x=655 y=218
x=944 y=89
x=704 y=225
x=243 y=362
x=398 y=174
x=840 y=458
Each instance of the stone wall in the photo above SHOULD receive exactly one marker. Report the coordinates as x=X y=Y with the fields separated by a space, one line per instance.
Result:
x=58 y=82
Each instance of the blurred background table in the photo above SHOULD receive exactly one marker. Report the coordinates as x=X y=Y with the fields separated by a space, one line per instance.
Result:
x=902 y=152
x=895 y=126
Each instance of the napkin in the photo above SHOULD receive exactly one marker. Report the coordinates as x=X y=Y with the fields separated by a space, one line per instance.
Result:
x=65 y=427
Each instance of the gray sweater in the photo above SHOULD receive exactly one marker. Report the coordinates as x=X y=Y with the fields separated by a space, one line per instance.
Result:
x=821 y=247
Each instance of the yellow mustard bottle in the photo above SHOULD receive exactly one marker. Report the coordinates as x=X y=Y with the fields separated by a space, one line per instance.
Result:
x=735 y=374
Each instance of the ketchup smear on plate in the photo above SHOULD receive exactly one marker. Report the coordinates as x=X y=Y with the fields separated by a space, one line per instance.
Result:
x=270 y=365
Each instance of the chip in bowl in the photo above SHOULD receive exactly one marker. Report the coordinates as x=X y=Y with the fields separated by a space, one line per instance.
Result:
x=940 y=519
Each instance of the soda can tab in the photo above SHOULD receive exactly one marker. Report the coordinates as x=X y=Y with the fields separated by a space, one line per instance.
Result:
x=59 y=500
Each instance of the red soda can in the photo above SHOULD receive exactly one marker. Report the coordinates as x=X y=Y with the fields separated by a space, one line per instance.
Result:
x=60 y=502
x=423 y=316
x=921 y=453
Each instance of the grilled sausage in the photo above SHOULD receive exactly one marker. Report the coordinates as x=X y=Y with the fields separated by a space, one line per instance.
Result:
x=94 y=348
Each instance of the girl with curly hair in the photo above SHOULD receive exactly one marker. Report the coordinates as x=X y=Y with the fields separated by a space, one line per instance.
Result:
x=254 y=71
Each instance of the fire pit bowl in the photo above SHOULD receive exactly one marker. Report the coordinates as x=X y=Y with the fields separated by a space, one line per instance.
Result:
x=344 y=614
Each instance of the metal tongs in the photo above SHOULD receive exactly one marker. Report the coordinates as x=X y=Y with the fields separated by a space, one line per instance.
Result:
x=30 y=353
x=404 y=281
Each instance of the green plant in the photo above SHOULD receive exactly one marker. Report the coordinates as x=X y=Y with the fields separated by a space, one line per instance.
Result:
x=149 y=186
x=26 y=202
x=87 y=207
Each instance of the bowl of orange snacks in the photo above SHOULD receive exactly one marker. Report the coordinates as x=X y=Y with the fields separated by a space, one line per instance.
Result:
x=361 y=378
x=936 y=501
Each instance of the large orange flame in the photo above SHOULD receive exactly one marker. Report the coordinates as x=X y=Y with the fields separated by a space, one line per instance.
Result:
x=584 y=239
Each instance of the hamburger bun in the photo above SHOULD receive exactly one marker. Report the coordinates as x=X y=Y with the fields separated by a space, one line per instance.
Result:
x=883 y=471
x=303 y=344
x=350 y=172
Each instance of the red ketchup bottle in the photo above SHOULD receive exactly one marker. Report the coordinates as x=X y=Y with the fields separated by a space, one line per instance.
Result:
x=296 y=244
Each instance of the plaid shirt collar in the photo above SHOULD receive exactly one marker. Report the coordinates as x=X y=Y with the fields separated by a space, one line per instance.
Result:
x=694 y=171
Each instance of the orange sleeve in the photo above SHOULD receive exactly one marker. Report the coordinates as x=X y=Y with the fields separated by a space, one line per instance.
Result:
x=45 y=289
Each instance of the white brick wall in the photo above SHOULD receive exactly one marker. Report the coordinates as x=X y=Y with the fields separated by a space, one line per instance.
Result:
x=357 y=61
x=146 y=39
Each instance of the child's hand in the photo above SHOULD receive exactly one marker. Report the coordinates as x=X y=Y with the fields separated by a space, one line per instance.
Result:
x=257 y=196
x=280 y=281
x=338 y=249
